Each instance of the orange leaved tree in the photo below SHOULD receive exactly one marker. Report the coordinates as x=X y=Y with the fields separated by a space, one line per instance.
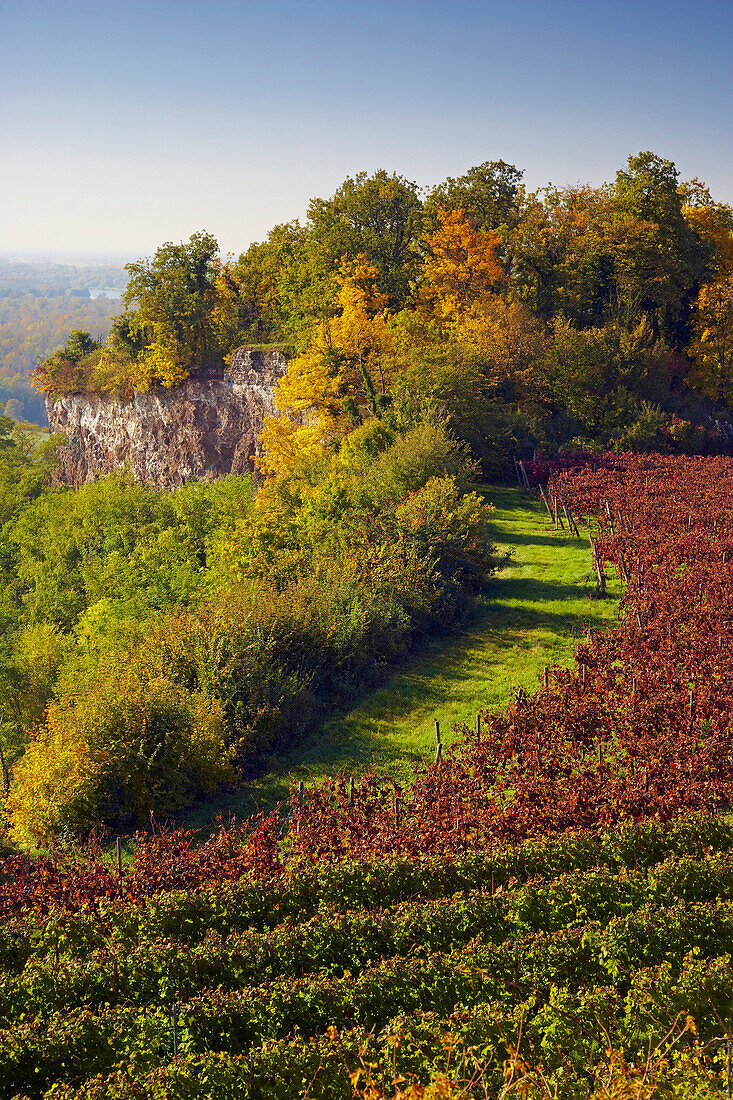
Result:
x=462 y=268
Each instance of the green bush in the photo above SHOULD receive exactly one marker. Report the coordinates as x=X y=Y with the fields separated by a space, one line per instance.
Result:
x=192 y=630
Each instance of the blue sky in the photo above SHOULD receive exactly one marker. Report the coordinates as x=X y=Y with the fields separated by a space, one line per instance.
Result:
x=126 y=123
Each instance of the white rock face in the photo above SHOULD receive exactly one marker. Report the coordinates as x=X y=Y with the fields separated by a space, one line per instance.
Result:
x=205 y=428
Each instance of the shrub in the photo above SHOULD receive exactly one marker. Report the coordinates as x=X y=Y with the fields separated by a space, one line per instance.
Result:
x=123 y=746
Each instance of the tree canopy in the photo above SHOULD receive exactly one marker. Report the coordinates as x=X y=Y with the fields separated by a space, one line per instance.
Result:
x=643 y=252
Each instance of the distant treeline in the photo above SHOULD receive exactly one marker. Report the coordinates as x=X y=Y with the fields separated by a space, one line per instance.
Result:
x=40 y=303
x=31 y=327
x=20 y=402
x=48 y=279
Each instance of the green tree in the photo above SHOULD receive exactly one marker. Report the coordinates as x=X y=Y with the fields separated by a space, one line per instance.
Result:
x=171 y=300
x=283 y=288
x=488 y=194
x=537 y=248
x=377 y=216
x=648 y=191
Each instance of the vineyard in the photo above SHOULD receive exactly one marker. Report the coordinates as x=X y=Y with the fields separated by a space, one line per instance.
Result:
x=545 y=911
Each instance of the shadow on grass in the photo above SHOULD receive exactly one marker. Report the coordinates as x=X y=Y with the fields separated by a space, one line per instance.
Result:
x=537 y=591
x=519 y=538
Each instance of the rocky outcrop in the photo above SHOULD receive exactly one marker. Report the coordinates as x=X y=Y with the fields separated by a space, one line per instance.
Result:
x=205 y=428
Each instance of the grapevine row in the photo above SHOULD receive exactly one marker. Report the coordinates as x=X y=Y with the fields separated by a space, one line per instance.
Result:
x=78 y=1044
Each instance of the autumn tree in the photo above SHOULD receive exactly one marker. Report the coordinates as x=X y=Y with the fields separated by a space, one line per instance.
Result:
x=182 y=312
x=132 y=744
x=343 y=375
x=508 y=342
x=461 y=269
x=578 y=251
x=64 y=370
x=488 y=195
x=712 y=346
x=711 y=221
x=287 y=285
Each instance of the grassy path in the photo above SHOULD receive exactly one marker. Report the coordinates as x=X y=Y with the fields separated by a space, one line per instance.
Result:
x=536 y=610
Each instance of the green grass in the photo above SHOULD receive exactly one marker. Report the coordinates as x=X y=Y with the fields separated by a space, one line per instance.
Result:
x=537 y=608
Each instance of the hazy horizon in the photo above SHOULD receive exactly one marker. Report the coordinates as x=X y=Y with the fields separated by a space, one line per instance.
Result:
x=65 y=257
x=129 y=125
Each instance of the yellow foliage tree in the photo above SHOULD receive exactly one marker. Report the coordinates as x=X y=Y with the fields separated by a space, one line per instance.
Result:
x=348 y=365
x=507 y=341
x=136 y=741
x=461 y=270
x=712 y=345
x=711 y=221
x=163 y=366
x=56 y=774
x=714 y=224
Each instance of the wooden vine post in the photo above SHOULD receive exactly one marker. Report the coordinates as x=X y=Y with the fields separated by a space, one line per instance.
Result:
x=300 y=805
x=622 y=563
x=438 y=743
x=600 y=575
x=544 y=499
x=571 y=522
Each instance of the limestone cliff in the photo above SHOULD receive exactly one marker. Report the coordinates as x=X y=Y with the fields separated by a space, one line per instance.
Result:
x=203 y=429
